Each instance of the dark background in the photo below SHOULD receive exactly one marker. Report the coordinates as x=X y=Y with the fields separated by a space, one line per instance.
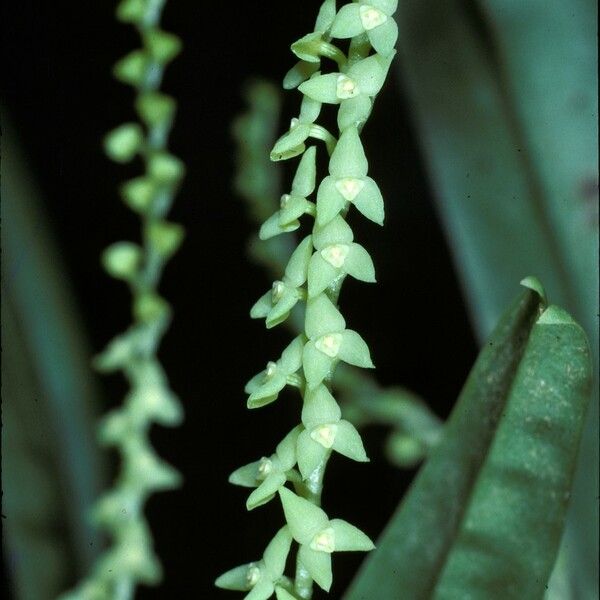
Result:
x=57 y=87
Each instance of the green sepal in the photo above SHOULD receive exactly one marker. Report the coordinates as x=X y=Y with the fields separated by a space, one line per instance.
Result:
x=307 y=48
x=370 y=73
x=155 y=108
x=326 y=16
x=235 y=579
x=322 y=88
x=283 y=594
x=336 y=231
x=305 y=177
x=165 y=168
x=359 y=264
x=294 y=208
x=310 y=454
x=354 y=112
x=329 y=202
x=317 y=365
x=132 y=11
x=383 y=38
x=281 y=309
x=162 y=46
x=138 y=193
x=291 y=357
x=300 y=72
x=309 y=110
x=124 y=142
x=349 y=538
x=132 y=68
x=386 y=6
x=304 y=518
x=155 y=403
x=354 y=350
x=322 y=317
x=262 y=306
x=115 y=427
x=166 y=237
x=347 y=23
x=246 y=476
x=144 y=470
x=261 y=591
x=114 y=508
x=369 y=202
x=268 y=391
x=270 y=228
x=318 y=565
x=348 y=442
x=266 y=491
x=320 y=407
x=116 y=355
x=286 y=449
x=297 y=267
x=291 y=143
x=122 y=260
x=348 y=158
x=320 y=275
x=276 y=553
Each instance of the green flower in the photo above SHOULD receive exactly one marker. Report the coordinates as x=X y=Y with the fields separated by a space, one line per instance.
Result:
x=329 y=342
x=277 y=303
x=319 y=537
x=260 y=578
x=336 y=256
x=302 y=70
x=294 y=204
x=264 y=388
x=348 y=183
x=268 y=474
x=372 y=17
x=325 y=430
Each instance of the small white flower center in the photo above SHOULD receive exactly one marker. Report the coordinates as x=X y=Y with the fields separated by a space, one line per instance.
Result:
x=270 y=370
x=329 y=344
x=335 y=255
x=294 y=122
x=284 y=200
x=277 y=291
x=265 y=466
x=349 y=187
x=324 y=541
x=346 y=88
x=371 y=17
x=324 y=434
x=252 y=576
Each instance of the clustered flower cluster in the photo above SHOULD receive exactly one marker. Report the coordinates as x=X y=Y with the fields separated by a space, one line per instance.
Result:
x=313 y=277
x=130 y=559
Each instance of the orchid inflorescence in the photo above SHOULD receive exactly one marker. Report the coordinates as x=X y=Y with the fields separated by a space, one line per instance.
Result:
x=130 y=559
x=312 y=281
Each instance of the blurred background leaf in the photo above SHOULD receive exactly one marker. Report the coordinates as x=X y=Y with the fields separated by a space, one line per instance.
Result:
x=504 y=95
x=484 y=516
x=52 y=469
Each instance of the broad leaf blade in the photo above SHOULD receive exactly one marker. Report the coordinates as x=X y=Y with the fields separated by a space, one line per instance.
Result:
x=414 y=548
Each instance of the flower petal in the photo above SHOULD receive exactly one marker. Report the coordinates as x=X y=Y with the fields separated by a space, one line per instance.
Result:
x=387 y=6
x=300 y=72
x=235 y=579
x=329 y=201
x=291 y=357
x=326 y=16
x=348 y=158
x=337 y=231
x=297 y=267
x=266 y=490
x=268 y=391
x=276 y=553
x=354 y=350
x=304 y=518
x=354 y=111
x=348 y=442
x=359 y=264
x=262 y=306
x=322 y=317
x=320 y=407
x=304 y=180
x=261 y=591
x=318 y=565
x=281 y=309
x=370 y=202
x=246 y=476
x=270 y=228
x=286 y=449
x=316 y=364
x=350 y=538
x=310 y=454
x=320 y=275
x=289 y=144
x=322 y=88
x=370 y=73
x=383 y=38
x=347 y=22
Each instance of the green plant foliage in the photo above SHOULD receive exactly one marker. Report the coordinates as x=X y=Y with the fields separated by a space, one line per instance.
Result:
x=484 y=517
x=506 y=111
x=131 y=560
x=51 y=470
